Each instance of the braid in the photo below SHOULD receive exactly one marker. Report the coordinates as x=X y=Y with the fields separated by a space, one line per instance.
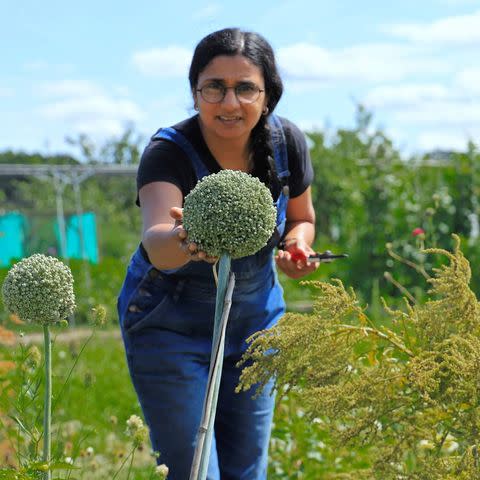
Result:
x=262 y=153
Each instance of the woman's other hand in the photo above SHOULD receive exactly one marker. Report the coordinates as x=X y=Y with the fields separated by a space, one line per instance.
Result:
x=293 y=261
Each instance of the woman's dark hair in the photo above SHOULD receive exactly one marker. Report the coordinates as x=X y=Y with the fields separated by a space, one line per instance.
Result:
x=254 y=47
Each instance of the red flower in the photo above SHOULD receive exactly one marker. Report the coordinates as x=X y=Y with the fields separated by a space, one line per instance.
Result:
x=418 y=231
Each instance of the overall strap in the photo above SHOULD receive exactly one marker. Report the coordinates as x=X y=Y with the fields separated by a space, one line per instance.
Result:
x=279 y=151
x=178 y=138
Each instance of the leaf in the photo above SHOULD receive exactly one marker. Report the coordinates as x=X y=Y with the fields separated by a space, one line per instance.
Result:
x=38 y=467
x=20 y=424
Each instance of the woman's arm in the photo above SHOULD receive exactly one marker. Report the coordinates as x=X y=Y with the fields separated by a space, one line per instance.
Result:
x=300 y=233
x=164 y=238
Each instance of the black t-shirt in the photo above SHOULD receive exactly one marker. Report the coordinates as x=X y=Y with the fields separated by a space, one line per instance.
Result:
x=165 y=161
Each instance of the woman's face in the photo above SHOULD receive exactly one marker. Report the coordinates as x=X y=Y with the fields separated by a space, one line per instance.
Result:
x=230 y=118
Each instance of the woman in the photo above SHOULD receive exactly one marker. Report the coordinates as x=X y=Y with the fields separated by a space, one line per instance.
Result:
x=167 y=302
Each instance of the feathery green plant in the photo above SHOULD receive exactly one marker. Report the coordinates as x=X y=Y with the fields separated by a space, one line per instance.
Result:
x=409 y=390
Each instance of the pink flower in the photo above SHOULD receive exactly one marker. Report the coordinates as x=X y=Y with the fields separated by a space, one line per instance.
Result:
x=418 y=231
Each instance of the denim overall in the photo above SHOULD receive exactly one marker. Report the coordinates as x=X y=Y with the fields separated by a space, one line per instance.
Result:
x=166 y=318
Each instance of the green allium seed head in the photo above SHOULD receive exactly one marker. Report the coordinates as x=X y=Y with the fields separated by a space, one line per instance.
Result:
x=39 y=289
x=229 y=212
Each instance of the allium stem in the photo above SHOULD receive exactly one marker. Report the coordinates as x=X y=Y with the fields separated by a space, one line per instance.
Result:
x=226 y=284
x=47 y=418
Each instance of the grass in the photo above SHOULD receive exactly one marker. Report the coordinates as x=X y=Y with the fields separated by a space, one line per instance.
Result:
x=98 y=398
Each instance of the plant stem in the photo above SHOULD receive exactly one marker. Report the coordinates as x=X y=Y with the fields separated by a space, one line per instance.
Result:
x=57 y=397
x=416 y=267
x=131 y=464
x=215 y=274
x=375 y=332
x=123 y=463
x=388 y=276
x=226 y=283
x=47 y=418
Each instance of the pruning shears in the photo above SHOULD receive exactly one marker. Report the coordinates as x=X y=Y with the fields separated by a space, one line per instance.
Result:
x=325 y=257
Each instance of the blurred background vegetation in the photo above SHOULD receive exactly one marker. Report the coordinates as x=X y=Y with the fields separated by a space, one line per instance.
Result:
x=366 y=195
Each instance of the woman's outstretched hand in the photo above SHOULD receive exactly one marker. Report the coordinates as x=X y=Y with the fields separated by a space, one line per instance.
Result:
x=293 y=259
x=189 y=248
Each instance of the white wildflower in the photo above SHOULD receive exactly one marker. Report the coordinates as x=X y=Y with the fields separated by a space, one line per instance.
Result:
x=134 y=423
x=161 y=471
x=136 y=430
x=426 y=445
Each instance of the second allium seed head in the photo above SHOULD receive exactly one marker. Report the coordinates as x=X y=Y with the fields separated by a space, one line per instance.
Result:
x=39 y=289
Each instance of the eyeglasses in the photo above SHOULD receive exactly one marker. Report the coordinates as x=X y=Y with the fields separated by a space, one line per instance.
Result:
x=215 y=92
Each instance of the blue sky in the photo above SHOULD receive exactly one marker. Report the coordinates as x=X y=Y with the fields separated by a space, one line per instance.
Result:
x=96 y=66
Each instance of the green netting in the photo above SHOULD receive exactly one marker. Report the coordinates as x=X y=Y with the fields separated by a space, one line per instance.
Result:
x=74 y=237
x=74 y=246
x=20 y=237
x=11 y=237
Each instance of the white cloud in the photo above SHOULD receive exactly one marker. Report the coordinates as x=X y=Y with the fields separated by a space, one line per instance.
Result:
x=6 y=92
x=36 y=66
x=455 y=30
x=100 y=127
x=84 y=107
x=121 y=90
x=459 y=3
x=441 y=114
x=469 y=80
x=446 y=140
x=170 y=61
x=434 y=115
x=68 y=88
x=92 y=107
x=310 y=125
x=404 y=96
x=208 y=12
x=359 y=63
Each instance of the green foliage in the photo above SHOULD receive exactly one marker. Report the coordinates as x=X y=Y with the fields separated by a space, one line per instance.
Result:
x=92 y=401
x=406 y=387
x=97 y=284
x=366 y=194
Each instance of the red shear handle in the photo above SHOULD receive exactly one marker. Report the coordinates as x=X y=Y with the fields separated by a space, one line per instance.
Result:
x=296 y=256
x=327 y=256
